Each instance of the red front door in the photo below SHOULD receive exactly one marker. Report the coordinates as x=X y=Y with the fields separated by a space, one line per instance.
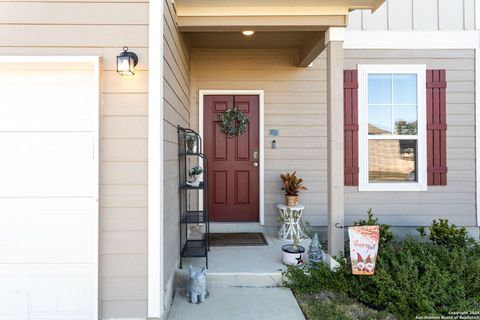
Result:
x=233 y=163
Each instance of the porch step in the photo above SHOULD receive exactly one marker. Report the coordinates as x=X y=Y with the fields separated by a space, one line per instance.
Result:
x=251 y=280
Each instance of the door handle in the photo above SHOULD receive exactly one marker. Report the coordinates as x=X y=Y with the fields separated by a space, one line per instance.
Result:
x=255 y=164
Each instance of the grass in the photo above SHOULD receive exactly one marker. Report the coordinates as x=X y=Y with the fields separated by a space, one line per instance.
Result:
x=327 y=305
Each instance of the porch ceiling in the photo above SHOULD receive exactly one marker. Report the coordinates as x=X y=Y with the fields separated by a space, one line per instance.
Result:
x=260 y=40
x=299 y=24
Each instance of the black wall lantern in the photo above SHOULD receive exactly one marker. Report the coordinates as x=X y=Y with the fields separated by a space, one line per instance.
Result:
x=126 y=62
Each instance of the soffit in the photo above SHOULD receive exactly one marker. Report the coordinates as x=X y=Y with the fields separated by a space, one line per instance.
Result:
x=271 y=7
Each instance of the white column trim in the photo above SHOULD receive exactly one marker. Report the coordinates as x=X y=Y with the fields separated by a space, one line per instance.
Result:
x=335 y=147
x=334 y=34
x=156 y=307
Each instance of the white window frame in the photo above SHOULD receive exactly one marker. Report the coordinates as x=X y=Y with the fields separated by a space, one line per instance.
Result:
x=421 y=183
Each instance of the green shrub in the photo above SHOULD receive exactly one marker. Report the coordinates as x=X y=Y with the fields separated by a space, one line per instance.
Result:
x=386 y=234
x=444 y=234
x=411 y=278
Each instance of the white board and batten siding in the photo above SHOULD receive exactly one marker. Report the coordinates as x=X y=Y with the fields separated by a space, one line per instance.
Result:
x=102 y=28
x=295 y=103
x=49 y=188
x=176 y=91
x=417 y=15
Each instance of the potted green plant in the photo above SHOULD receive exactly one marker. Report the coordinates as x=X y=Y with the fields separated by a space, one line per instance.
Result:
x=190 y=141
x=194 y=173
x=293 y=254
x=291 y=185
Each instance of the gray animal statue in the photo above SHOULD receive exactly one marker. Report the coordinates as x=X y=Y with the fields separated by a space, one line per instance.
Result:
x=315 y=254
x=197 y=285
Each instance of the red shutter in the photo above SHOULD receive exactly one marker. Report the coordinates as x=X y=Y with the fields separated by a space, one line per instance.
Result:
x=436 y=128
x=350 y=102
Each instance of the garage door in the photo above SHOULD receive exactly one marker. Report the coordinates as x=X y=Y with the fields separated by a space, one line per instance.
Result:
x=48 y=188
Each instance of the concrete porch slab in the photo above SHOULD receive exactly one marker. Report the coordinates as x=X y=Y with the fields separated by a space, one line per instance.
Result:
x=245 y=266
x=238 y=304
x=245 y=259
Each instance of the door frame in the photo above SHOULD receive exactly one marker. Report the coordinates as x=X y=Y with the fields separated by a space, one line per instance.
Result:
x=94 y=62
x=261 y=111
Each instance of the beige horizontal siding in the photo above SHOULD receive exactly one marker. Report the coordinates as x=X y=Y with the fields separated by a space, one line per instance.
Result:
x=67 y=35
x=109 y=55
x=456 y=201
x=295 y=103
x=176 y=92
x=102 y=28
x=16 y=12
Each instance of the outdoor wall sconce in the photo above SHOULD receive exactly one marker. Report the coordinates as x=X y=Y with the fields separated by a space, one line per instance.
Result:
x=126 y=62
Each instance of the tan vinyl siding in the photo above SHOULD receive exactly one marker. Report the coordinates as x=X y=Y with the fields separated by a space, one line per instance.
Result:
x=295 y=103
x=456 y=201
x=423 y=15
x=102 y=28
x=176 y=91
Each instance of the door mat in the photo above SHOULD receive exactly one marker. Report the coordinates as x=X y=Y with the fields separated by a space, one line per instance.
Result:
x=237 y=239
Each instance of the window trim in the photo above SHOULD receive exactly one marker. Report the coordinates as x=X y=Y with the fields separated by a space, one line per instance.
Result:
x=363 y=184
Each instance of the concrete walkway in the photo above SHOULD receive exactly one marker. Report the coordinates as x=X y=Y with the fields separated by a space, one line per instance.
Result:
x=238 y=303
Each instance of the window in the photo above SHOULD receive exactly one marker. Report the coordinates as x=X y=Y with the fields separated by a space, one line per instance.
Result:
x=392 y=147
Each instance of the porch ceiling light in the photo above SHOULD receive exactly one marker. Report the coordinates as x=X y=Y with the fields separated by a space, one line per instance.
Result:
x=126 y=62
x=248 y=33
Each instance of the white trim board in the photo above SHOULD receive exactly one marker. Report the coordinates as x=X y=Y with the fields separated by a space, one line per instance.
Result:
x=94 y=61
x=411 y=39
x=19 y=59
x=477 y=14
x=421 y=172
x=156 y=308
x=477 y=133
x=261 y=105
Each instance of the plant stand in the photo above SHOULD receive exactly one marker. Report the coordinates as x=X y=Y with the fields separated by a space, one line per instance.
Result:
x=292 y=226
x=191 y=214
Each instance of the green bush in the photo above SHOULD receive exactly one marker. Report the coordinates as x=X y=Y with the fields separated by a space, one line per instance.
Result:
x=411 y=278
x=386 y=234
x=447 y=235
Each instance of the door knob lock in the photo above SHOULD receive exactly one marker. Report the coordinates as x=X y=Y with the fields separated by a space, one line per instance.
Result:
x=255 y=164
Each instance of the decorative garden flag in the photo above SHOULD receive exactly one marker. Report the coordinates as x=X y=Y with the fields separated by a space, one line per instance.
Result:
x=364 y=248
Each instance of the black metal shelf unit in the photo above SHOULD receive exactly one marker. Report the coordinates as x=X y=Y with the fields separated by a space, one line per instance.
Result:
x=189 y=149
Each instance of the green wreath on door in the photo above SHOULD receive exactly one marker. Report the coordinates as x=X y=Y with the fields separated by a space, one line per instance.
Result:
x=233 y=122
